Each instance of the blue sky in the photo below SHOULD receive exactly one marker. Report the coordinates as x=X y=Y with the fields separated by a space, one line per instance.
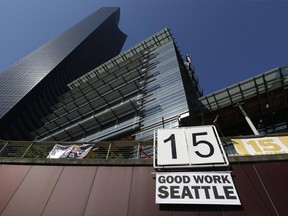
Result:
x=228 y=41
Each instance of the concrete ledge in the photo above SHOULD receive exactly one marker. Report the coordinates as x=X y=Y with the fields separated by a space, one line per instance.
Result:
x=127 y=162
x=257 y=158
x=77 y=162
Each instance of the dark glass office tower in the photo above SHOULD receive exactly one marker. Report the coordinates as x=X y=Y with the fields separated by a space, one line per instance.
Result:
x=32 y=85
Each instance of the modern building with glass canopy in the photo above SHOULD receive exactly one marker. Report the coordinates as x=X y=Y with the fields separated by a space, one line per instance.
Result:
x=263 y=97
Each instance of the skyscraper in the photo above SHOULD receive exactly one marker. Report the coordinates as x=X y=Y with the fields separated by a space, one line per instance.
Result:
x=32 y=85
x=76 y=87
x=144 y=88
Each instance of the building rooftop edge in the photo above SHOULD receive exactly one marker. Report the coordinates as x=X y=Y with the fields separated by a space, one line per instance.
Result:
x=149 y=43
x=285 y=67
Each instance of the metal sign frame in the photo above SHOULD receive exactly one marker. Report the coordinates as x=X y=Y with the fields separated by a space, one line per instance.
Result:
x=188 y=147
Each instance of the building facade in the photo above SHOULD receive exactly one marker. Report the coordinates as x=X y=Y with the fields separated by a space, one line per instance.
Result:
x=263 y=97
x=144 y=88
x=115 y=102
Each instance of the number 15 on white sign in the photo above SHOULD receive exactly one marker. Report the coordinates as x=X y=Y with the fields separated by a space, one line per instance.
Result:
x=193 y=146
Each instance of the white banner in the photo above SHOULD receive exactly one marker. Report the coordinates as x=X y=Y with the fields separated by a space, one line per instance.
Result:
x=196 y=188
x=71 y=151
x=60 y=151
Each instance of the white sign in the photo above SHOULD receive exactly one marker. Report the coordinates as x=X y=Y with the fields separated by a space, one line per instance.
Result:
x=196 y=188
x=261 y=146
x=193 y=146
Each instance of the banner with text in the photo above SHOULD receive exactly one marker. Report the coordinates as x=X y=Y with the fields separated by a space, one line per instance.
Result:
x=71 y=151
x=60 y=151
x=196 y=188
x=261 y=146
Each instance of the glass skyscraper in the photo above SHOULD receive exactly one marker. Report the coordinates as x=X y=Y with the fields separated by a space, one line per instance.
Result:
x=31 y=86
x=78 y=86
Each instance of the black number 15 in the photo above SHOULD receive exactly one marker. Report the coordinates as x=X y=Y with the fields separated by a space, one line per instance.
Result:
x=195 y=143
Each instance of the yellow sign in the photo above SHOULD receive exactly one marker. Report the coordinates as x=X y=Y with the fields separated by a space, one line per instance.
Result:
x=261 y=146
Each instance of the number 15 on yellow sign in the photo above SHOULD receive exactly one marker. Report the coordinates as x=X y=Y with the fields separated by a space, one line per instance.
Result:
x=261 y=146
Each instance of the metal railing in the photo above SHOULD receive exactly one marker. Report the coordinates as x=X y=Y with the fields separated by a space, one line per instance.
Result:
x=100 y=150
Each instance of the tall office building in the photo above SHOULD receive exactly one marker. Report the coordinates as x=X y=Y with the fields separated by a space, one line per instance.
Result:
x=31 y=86
x=144 y=88
x=73 y=89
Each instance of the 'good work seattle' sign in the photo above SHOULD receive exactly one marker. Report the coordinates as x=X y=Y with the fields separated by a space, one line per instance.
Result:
x=196 y=188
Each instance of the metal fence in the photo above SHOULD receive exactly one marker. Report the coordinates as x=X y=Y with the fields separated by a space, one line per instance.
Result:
x=100 y=150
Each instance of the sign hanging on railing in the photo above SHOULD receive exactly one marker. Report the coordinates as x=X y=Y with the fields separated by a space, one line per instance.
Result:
x=261 y=146
x=191 y=146
x=70 y=151
x=196 y=188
